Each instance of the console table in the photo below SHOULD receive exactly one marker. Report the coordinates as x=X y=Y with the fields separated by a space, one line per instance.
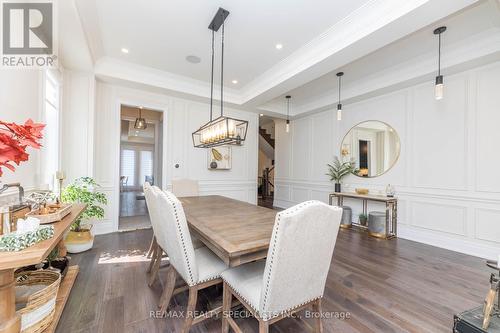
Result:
x=391 y=209
x=10 y=322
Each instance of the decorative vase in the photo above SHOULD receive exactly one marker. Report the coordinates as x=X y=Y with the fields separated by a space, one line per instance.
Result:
x=338 y=188
x=79 y=241
x=390 y=191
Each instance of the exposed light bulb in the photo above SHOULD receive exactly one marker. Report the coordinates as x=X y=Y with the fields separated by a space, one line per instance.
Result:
x=287 y=128
x=439 y=88
x=339 y=112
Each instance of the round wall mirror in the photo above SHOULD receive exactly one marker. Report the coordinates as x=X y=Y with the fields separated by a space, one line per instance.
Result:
x=373 y=145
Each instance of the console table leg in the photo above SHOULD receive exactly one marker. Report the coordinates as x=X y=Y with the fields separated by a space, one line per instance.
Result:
x=10 y=322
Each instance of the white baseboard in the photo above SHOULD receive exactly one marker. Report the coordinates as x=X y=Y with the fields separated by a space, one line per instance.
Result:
x=434 y=238
x=467 y=246
x=101 y=228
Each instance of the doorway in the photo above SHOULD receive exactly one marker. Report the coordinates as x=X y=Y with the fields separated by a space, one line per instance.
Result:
x=266 y=162
x=140 y=161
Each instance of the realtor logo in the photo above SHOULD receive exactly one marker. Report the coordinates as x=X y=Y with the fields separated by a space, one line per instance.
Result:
x=28 y=34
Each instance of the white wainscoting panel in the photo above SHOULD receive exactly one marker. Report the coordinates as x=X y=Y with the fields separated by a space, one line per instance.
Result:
x=439 y=217
x=487 y=224
x=487 y=130
x=446 y=178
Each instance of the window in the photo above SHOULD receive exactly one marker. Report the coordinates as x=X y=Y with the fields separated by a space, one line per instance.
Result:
x=146 y=167
x=51 y=137
x=128 y=166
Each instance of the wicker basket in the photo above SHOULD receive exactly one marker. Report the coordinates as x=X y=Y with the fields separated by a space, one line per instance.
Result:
x=37 y=310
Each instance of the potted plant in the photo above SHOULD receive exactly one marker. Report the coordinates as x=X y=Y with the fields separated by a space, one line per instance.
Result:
x=83 y=190
x=363 y=219
x=339 y=170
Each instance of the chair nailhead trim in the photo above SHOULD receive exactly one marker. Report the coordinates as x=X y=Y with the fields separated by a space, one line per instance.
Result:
x=179 y=230
x=287 y=212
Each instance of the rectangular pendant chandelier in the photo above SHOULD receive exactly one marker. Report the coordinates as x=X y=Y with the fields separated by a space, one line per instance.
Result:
x=221 y=131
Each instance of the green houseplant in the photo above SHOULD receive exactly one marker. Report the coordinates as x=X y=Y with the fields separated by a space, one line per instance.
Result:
x=363 y=219
x=83 y=190
x=339 y=170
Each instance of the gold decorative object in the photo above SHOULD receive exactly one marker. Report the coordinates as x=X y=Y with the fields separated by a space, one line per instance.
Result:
x=362 y=191
x=60 y=177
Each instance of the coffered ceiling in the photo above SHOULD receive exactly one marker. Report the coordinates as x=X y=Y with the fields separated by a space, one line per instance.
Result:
x=318 y=38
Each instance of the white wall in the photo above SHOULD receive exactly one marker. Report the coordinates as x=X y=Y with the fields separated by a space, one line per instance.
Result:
x=20 y=99
x=446 y=177
x=77 y=122
x=181 y=118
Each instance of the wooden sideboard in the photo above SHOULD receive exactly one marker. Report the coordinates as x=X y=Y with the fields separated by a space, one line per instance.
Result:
x=9 y=261
x=391 y=209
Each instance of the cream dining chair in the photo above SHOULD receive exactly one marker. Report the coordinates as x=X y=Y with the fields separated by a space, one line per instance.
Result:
x=185 y=188
x=199 y=268
x=294 y=275
x=180 y=188
x=155 y=251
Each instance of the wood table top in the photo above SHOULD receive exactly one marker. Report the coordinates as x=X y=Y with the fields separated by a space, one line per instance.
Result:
x=373 y=197
x=236 y=231
x=38 y=252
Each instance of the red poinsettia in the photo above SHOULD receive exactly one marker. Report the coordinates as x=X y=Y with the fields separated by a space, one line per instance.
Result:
x=14 y=139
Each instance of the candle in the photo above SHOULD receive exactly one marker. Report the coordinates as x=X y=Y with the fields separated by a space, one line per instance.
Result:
x=59 y=174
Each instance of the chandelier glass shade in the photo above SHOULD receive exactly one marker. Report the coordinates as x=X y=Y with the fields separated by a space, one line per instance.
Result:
x=140 y=123
x=221 y=131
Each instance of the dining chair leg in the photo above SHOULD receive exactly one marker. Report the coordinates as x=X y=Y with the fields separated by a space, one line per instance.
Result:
x=156 y=266
x=263 y=326
x=153 y=257
x=227 y=297
x=316 y=307
x=191 y=307
x=151 y=246
x=168 y=290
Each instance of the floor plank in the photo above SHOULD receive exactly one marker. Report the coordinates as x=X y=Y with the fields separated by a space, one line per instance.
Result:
x=386 y=286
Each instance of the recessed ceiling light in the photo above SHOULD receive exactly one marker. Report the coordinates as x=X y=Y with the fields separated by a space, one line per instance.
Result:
x=124 y=50
x=279 y=46
x=235 y=81
x=193 y=59
x=262 y=115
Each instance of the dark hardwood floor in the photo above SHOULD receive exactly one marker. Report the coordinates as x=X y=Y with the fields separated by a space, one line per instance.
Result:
x=385 y=286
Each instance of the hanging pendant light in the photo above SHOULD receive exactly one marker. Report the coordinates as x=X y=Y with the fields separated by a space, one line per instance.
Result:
x=439 y=87
x=287 y=126
x=339 y=105
x=222 y=130
x=140 y=123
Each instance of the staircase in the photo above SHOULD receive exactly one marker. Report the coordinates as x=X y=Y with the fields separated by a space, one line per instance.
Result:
x=266 y=136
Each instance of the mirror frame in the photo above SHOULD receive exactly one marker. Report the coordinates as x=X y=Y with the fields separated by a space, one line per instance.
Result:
x=383 y=122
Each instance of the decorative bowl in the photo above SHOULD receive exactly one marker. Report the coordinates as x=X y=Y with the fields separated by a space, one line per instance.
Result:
x=362 y=191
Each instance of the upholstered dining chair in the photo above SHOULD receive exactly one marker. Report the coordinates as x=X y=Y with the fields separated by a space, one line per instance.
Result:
x=294 y=274
x=185 y=188
x=155 y=252
x=199 y=268
x=180 y=188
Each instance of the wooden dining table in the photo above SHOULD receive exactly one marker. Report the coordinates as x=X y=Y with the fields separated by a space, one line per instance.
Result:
x=236 y=231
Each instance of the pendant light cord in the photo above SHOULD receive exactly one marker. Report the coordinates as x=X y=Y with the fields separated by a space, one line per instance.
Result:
x=288 y=109
x=222 y=70
x=212 y=76
x=439 y=55
x=340 y=84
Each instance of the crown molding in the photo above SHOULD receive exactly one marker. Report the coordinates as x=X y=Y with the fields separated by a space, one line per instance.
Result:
x=112 y=69
x=471 y=52
x=372 y=26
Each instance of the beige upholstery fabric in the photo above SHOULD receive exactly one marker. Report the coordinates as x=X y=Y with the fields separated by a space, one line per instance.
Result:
x=195 y=266
x=297 y=263
x=151 y=201
x=246 y=280
x=185 y=187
